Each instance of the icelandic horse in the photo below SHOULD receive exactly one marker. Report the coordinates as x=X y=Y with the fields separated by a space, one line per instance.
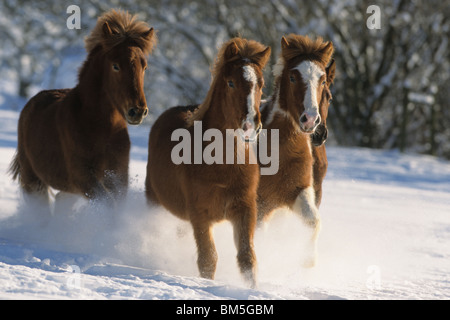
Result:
x=76 y=140
x=205 y=194
x=301 y=85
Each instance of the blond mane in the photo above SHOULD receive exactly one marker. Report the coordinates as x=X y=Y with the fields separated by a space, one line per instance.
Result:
x=123 y=26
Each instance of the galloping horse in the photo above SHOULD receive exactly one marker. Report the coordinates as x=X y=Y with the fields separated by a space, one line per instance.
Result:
x=205 y=194
x=301 y=78
x=76 y=140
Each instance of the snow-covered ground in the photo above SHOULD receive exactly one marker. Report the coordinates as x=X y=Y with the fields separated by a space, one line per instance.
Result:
x=385 y=235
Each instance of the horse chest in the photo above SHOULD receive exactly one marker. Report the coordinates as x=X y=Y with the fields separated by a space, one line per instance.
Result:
x=294 y=174
x=99 y=150
x=118 y=142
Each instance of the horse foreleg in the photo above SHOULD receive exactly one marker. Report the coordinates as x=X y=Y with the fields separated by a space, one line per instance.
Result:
x=206 y=250
x=305 y=206
x=116 y=184
x=319 y=171
x=65 y=202
x=95 y=190
x=244 y=223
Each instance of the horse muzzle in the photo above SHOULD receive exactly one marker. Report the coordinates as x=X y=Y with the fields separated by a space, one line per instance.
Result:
x=249 y=133
x=309 y=122
x=320 y=135
x=136 y=115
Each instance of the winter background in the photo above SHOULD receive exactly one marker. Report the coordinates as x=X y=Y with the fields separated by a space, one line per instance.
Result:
x=386 y=203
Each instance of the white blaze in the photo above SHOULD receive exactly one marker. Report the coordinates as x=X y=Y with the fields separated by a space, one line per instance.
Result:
x=250 y=76
x=311 y=74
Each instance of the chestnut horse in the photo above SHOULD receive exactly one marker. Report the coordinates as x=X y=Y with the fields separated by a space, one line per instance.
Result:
x=301 y=86
x=76 y=140
x=205 y=194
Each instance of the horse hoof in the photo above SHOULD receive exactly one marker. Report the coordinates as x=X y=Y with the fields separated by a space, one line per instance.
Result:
x=250 y=280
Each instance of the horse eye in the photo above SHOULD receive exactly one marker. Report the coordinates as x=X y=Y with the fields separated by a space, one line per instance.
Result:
x=292 y=78
x=230 y=84
x=324 y=82
x=116 y=67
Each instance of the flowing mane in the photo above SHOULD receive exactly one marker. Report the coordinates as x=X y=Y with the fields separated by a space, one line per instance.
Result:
x=294 y=46
x=246 y=49
x=123 y=26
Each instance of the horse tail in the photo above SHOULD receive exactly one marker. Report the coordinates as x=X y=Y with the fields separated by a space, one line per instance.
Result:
x=14 y=167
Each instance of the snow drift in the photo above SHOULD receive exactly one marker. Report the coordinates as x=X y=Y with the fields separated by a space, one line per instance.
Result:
x=385 y=235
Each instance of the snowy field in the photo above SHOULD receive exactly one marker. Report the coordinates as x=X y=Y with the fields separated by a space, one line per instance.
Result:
x=385 y=235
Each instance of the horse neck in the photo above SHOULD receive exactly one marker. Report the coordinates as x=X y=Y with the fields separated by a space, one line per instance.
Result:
x=276 y=116
x=266 y=108
x=96 y=107
x=215 y=115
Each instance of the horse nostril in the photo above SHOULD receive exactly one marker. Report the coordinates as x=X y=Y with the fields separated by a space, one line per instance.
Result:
x=132 y=112
x=303 y=119
x=317 y=122
x=247 y=126
x=145 y=112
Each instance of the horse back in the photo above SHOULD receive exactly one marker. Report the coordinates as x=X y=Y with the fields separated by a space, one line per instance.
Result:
x=38 y=141
x=43 y=105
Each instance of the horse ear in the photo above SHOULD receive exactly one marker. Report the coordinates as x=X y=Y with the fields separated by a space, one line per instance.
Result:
x=106 y=29
x=331 y=72
x=327 y=51
x=231 y=51
x=284 y=43
x=148 y=34
x=262 y=57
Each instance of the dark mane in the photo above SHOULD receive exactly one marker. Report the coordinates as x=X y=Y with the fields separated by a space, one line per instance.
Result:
x=124 y=27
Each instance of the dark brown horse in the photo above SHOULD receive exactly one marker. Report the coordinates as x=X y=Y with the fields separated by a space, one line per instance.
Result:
x=301 y=86
x=202 y=193
x=76 y=140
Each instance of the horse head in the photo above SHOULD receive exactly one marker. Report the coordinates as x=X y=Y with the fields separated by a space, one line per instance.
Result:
x=235 y=92
x=124 y=44
x=241 y=82
x=302 y=77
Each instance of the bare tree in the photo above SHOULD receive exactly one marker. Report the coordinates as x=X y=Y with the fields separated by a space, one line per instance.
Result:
x=391 y=88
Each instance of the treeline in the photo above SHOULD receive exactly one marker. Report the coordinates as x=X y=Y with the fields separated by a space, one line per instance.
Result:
x=391 y=90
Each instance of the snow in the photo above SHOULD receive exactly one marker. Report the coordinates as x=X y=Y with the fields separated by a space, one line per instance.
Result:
x=421 y=98
x=385 y=235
